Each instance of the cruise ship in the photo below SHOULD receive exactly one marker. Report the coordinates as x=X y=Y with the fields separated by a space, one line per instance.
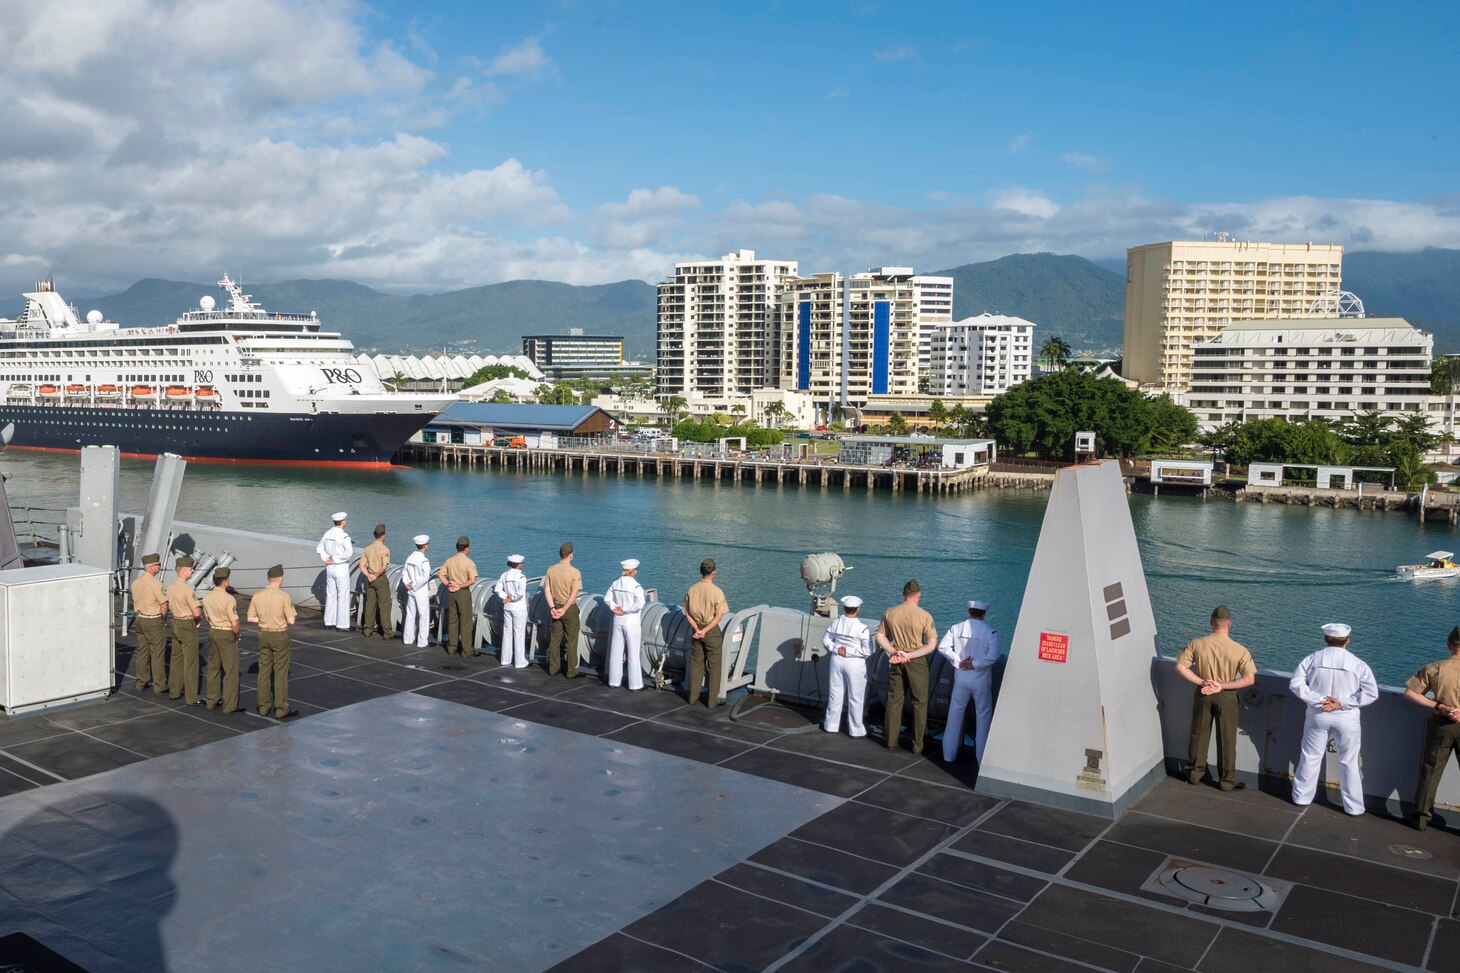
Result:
x=236 y=385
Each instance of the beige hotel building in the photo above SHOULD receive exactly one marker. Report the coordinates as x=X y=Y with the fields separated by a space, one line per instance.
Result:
x=1182 y=293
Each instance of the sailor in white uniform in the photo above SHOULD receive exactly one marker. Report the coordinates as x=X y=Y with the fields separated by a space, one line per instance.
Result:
x=1334 y=683
x=511 y=587
x=335 y=551
x=417 y=578
x=972 y=648
x=626 y=598
x=849 y=643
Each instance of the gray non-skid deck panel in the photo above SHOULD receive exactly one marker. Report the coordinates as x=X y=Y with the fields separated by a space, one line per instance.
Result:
x=401 y=833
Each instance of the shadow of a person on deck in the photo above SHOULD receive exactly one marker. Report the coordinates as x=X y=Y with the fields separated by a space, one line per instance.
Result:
x=87 y=879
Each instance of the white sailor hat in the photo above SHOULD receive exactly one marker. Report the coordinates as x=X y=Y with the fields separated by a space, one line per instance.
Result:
x=515 y=559
x=851 y=601
x=338 y=517
x=630 y=565
x=978 y=605
x=420 y=539
x=1337 y=630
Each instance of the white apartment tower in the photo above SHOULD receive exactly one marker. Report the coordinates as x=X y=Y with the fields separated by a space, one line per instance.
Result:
x=714 y=324
x=983 y=355
x=1182 y=293
x=842 y=339
x=935 y=308
x=1312 y=368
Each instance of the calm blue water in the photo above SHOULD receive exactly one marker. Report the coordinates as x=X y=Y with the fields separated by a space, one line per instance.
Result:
x=1283 y=570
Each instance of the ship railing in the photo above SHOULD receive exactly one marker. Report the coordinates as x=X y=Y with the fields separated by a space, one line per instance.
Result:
x=36 y=525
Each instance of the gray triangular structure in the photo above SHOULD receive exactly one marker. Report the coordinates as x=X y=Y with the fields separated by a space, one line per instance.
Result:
x=1076 y=724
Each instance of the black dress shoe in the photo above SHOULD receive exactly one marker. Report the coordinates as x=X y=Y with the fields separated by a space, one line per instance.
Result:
x=289 y=715
x=472 y=655
x=1239 y=786
x=239 y=710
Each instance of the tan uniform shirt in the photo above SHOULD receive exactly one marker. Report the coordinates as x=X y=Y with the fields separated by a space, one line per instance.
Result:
x=459 y=570
x=908 y=627
x=703 y=602
x=1441 y=678
x=1216 y=656
x=221 y=609
x=148 y=596
x=182 y=600
x=562 y=579
x=376 y=558
x=273 y=609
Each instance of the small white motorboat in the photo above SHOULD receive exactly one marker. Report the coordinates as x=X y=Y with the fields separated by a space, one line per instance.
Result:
x=1440 y=564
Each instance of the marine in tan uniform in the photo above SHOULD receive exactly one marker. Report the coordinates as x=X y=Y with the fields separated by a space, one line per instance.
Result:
x=908 y=636
x=705 y=606
x=561 y=585
x=183 y=605
x=1218 y=667
x=378 y=596
x=458 y=574
x=1440 y=680
x=150 y=603
x=273 y=610
x=221 y=610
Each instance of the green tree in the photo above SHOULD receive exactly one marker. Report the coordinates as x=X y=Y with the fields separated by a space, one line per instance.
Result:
x=938 y=413
x=673 y=407
x=960 y=416
x=1170 y=425
x=1053 y=352
x=738 y=411
x=1043 y=415
x=777 y=413
x=1445 y=375
x=490 y=373
x=897 y=424
x=502 y=397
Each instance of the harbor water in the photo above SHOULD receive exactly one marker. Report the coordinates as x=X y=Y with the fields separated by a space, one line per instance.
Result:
x=1282 y=570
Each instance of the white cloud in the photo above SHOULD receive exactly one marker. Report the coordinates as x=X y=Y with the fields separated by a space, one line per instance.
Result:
x=1025 y=202
x=902 y=52
x=526 y=59
x=1081 y=160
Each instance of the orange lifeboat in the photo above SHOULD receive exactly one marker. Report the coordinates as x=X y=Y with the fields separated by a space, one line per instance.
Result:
x=206 y=393
x=107 y=392
x=144 y=392
x=50 y=391
x=179 y=395
x=77 y=389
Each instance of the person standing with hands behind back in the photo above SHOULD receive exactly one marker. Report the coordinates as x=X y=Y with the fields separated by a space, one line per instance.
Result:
x=705 y=606
x=1442 y=729
x=1218 y=667
x=908 y=636
x=561 y=586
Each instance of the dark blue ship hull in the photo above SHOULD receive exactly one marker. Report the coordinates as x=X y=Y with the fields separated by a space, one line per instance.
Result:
x=354 y=439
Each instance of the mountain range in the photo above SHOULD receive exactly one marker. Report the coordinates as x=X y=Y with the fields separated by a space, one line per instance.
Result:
x=1065 y=295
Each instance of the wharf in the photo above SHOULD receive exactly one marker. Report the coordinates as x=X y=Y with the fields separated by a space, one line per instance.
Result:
x=429 y=812
x=1375 y=498
x=734 y=469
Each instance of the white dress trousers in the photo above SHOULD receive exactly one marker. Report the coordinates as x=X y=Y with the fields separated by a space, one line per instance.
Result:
x=847 y=674
x=417 y=574
x=335 y=544
x=1317 y=725
x=513 y=584
x=624 y=639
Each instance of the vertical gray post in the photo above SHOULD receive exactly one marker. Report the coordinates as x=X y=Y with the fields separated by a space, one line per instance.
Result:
x=1076 y=724
x=95 y=544
x=167 y=479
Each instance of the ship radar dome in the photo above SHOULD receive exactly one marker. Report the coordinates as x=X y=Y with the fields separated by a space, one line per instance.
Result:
x=94 y=317
x=206 y=303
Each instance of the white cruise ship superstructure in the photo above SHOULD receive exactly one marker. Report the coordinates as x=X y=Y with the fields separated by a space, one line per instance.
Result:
x=238 y=384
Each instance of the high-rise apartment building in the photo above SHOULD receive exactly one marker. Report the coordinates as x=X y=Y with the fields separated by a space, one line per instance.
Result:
x=573 y=347
x=983 y=355
x=842 y=338
x=935 y=307
x=1182 y=293
x=714 y=324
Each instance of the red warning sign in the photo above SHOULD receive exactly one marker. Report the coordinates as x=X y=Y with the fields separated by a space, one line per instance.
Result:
x=1054 y=648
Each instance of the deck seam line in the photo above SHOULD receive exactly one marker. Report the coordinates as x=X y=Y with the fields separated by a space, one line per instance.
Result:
x=27 y=763
x=667 y=949
x=861 y=903
x=1284 y=840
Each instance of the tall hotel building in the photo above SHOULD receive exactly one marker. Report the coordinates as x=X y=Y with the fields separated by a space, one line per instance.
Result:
x=714 y=324
x=843 y=338
x=983 y=355
x=1183 y=293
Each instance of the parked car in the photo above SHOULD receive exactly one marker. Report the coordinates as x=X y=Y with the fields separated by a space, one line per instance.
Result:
x=803 y=435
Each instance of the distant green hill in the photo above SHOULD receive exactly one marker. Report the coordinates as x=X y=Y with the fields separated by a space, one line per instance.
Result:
x=1063 y=294
x=492 y=318
x=1422 y=287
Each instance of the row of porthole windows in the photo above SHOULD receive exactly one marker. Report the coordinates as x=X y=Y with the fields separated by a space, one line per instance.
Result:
x=133 y=425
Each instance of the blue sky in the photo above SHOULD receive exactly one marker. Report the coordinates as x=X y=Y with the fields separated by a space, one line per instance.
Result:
x=419 y=146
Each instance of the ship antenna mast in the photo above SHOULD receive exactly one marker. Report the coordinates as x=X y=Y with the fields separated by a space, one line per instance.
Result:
x=238 y=301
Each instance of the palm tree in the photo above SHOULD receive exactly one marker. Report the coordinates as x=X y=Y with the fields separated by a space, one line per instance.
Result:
x=673 y=406
x=775 y=412
x=1053 y=352
x=738 y=411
